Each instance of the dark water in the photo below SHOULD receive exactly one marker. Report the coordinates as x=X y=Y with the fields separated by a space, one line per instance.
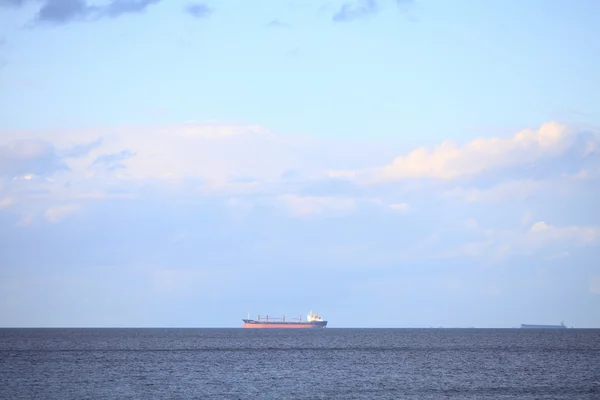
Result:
x=292 y=364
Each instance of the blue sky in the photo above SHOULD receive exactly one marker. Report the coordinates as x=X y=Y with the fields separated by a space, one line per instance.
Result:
x=387 y=163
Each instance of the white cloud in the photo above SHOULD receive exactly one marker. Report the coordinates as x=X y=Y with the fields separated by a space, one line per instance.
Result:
x=217 y=154
x=227 y=159
x=450 y=160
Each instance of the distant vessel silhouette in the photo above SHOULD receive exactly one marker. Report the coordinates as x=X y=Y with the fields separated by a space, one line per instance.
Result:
x=312 y=321
x=527 y=326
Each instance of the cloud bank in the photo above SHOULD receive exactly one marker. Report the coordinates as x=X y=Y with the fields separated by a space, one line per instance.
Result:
x=256 y=166
x=450 y=161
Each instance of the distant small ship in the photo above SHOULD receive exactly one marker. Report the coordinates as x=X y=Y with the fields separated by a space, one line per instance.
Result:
x=561 y=326
x=312 y=321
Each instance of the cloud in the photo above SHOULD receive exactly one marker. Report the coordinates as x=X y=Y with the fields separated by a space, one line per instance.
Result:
x=112 y=161
x=356 y=10
x=194 y=160
x=215 y=155
x=450 y=161
x=63 y=11
x=120 y=7
x=247 y=168
x=80 y=150
x=29 y=157
x=198 y=10
x=225 y=159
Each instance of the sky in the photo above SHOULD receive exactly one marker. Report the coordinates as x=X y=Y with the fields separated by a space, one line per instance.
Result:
x=385 y=163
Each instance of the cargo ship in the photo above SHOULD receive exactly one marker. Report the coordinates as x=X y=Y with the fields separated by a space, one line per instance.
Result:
x=561 y=326
x=312 y=321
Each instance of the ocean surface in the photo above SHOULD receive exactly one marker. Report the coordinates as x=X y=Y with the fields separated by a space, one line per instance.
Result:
x=299 y=364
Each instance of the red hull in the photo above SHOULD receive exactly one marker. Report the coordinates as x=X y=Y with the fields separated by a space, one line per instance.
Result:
x=286 y=326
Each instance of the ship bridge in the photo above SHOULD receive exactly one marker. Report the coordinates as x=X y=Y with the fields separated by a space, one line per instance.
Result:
x=313 y=317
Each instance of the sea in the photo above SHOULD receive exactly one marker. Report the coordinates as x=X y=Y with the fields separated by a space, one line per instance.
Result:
x=299 y=364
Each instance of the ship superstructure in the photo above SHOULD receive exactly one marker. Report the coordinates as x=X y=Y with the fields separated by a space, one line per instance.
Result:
x=312 y=321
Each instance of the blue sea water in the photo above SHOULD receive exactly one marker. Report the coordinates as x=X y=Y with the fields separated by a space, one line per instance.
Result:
x=299 y=364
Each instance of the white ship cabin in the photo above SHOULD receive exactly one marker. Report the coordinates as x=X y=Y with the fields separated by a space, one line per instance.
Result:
x=313 y=317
